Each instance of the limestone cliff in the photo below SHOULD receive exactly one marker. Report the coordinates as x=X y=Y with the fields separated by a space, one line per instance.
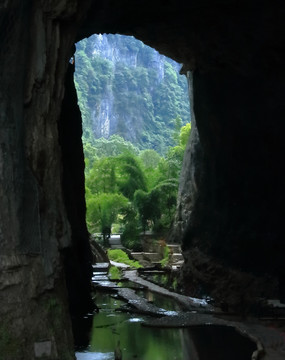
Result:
x=129 y=89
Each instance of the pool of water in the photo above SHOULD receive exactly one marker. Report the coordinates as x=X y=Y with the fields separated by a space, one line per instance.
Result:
x=99 y=334
x=136 y=342
x=158 y=300
x=218 y=342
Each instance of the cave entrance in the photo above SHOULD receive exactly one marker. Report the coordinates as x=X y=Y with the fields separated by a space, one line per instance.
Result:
x=135 y=107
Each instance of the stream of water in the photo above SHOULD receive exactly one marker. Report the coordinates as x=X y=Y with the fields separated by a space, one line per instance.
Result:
x=101 y=332
x=136 y=342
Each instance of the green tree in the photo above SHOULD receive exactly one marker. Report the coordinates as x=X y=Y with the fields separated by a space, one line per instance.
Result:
x=143 y=205
x=150 y=160
x=148 y=205
x=167 y=194
x=135 y=191
x=103 y=210
x=184 y=135
x=158 y=206
x=102 y=177
x=131 y=228
x=177 y=128
x=130 y=175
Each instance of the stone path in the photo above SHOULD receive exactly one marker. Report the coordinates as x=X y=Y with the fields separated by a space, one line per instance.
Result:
x=155 y=257
x=270 y=341
x=115 y=241
x=140 y=304
x=186 y=302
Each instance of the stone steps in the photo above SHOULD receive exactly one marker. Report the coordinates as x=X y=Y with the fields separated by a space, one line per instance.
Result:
x=138 y=255
x=115 y=242
x=116 y=247
x=177 y=257
x=156 y=257
x=153 y=257
x=101 y=267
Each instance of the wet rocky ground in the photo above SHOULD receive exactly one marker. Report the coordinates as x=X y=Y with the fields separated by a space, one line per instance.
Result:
x=268 y=334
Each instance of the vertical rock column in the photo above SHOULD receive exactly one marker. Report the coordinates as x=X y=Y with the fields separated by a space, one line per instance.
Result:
x=77 y=258
x=36 y=38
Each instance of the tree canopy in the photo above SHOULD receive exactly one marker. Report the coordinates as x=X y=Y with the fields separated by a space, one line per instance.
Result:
x=135 y=191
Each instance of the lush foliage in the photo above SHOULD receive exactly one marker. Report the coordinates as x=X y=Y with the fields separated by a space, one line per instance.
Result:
x=134 y=104
x=127 y=88
x=135 y=192
x=121 y=256
x=102 y=147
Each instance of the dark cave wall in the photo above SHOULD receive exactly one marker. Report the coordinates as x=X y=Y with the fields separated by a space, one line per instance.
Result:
x=233 y=243
x=77 y=259
x=37 y=227
x=242 y=197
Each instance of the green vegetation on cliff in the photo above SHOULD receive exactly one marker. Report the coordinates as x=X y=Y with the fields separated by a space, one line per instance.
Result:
x=127 y=88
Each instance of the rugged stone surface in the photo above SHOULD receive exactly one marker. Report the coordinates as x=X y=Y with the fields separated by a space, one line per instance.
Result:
x=189 y=177
x=77 y=259
x=236 y=187
x=236 y=217
x=36 y=227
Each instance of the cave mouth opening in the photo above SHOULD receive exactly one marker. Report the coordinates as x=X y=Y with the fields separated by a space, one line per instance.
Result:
x=132 y=99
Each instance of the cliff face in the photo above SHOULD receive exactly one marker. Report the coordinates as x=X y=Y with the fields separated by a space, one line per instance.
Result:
x=234 y=238
x=129 y=89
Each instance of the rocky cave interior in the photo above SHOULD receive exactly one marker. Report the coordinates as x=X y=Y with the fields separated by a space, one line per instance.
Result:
x=231 y=202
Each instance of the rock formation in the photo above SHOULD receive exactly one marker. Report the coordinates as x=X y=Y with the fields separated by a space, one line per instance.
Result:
x=129 y=89
x=234 y=240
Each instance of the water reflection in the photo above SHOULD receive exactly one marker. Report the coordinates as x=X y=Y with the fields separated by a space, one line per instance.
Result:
x=137 y=342
x=222 y=342
x=109 y=326
x=160 y=301
x=95 y=356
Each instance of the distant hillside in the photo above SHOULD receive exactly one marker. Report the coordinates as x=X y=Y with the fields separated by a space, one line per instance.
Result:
x=127 y=88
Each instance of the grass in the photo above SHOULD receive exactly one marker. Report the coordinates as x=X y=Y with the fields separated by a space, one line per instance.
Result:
x=120 y=256
x=115 y=273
